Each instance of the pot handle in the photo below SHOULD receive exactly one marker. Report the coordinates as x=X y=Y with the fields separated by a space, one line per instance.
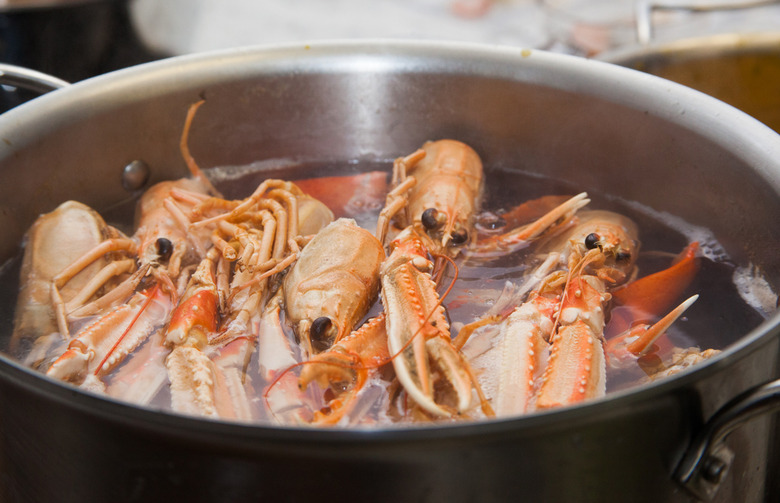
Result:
x=645 y=9
x=707 y=459
x=32 y=80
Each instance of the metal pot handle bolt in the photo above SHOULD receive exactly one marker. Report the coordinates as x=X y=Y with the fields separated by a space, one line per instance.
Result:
x=646 y=8
x=707 y=459
x=31 y=80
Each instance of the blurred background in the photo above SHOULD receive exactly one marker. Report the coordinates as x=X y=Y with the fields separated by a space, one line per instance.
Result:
x=739 y=39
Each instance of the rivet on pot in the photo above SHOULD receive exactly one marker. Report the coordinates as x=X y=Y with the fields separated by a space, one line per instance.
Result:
x=135 y=175
x=713 y=469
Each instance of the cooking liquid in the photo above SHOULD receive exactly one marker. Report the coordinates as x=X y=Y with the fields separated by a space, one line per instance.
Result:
x=718 y=318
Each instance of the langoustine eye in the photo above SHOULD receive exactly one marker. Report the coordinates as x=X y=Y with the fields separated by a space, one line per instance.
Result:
x=460 y=236
x=432 y=219
x=592 y=240
x=164 y=248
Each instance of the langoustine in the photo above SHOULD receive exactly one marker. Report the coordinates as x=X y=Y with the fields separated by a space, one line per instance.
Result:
x=54 y=241
x=552 y=349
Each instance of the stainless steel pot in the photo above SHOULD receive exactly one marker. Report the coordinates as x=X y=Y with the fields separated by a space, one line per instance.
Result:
x=602 y=128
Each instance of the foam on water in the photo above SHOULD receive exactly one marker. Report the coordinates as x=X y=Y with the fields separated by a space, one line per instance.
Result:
x=755 y=290
x=751 y=285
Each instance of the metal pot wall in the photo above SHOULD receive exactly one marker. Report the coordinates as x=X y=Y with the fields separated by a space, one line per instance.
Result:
x=741 y=69
x=602 y=128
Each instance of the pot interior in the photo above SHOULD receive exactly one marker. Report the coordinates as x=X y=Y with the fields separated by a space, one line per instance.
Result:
x=571 y=125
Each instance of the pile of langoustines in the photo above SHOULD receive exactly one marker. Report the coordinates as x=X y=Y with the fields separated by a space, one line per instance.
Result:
x=270 y=309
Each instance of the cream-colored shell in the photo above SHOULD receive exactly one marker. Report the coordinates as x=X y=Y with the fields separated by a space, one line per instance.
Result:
x=337 y=275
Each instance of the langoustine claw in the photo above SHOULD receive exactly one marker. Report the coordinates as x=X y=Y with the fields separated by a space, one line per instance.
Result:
x=190 y=371
x=627 y=348
x=635 y=339
x=108 y=340
x=417 y=328
x=345 y=368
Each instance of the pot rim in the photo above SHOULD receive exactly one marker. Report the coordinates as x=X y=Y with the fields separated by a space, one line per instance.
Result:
x=745 y=137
